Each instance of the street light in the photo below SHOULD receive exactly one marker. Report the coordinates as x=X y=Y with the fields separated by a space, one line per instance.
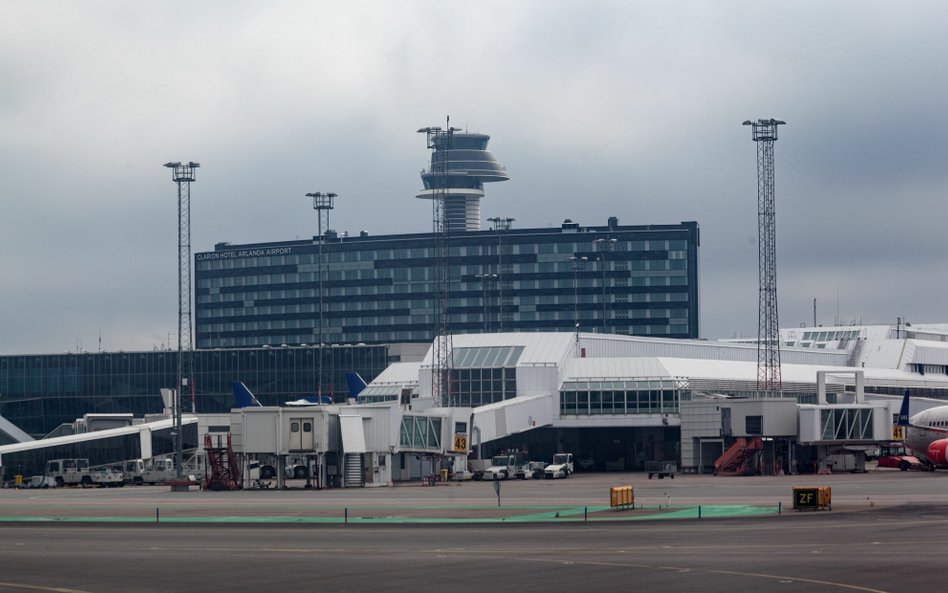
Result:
x=578 y=263
x=501 y=226
x=322 y=204
x=486 y=280
x=604 y=246
x=183 y=175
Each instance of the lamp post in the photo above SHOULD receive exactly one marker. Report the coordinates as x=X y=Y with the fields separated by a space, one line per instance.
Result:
x=578 y=263
x=322 y=204
x=486 y=280
x=604 y=246
x=501 y=225
x=183 y=175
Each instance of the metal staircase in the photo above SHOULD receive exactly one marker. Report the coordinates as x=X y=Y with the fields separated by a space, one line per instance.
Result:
x=224 y=466
x=354 y=475
x=741 y=458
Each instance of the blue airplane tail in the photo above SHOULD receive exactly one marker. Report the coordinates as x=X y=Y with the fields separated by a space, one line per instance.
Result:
x=356 y=384
x=904 y=412
x=243 y=397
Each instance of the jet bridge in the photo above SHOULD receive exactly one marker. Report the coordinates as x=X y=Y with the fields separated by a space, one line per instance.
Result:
x=511 y=416
x=432 y=430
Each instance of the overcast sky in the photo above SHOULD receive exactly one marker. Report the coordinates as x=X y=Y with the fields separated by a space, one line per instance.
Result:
x=624 y=108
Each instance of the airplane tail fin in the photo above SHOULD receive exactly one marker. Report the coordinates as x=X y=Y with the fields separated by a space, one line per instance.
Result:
x=243 y=397
x=904 y=412
x=356 y=384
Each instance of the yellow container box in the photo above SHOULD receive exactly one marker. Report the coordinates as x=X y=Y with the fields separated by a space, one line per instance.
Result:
x=621 y=497
x=813 y=498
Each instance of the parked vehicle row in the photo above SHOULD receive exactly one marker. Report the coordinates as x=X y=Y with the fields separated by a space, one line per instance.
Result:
x=513 y=464
x=77 y=472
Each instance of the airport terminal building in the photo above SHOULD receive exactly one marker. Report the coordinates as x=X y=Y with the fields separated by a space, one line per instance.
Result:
x=38 y=393
x=627 y=280
x=622 y=401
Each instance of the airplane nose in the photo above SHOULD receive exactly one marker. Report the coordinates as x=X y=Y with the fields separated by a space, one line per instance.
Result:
x=938 y=452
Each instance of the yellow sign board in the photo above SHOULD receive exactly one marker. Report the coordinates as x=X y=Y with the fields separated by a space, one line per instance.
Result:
x=460 y=443
x=898 y=433
x=818 y=497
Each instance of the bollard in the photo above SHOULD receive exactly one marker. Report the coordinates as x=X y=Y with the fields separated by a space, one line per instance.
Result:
x=585 y=514
x=157 y=515
x=779 y=507
x=346 y=516
x=699 y=511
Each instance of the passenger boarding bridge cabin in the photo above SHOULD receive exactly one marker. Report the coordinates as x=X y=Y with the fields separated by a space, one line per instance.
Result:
x=784 y=436
x=347 y=446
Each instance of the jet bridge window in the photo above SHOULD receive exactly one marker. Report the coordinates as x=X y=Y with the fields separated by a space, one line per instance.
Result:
x=754 y=424
x=420 y=432
x=846 y=424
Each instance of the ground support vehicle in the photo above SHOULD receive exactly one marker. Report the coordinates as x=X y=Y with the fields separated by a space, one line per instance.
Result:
x=42 y=482
x=158 y=471
x=895 y=456
x=477 y=468
x=69 y=472
x=107 y=477
x=507 y=465
x=661 y=469
x=134 y=470
x=294 y=469
x=561 y=467
x=536 y=469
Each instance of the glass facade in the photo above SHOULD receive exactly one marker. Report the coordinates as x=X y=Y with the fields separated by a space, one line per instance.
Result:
x=637 y=280
x=40 y=392
x=619 y=398
x=846 y=424
x=420 y=432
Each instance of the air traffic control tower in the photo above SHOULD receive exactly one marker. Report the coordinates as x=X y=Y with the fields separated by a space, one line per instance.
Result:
x=460 y=166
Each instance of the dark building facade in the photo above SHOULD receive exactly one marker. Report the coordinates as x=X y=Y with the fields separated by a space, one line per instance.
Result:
x=638 y=280
x=40 y=392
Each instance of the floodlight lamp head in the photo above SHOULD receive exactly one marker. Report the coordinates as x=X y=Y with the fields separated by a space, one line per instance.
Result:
x=748 y=122
x=193 y=165
x=331 y=195
x=172 y=165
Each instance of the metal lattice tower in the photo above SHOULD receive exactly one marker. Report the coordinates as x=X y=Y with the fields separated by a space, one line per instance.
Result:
x=183 y=175
x=768 y=339
x=322 y=203
x=442 y=352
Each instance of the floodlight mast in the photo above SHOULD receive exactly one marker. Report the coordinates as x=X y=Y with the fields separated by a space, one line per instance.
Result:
x=502 y=226
x=769 y=381
x=578 y=263
x=604 y=246
x=183 y=175
x=323 y=203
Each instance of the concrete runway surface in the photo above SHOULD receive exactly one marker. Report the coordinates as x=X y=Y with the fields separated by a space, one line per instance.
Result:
x=886 y=533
